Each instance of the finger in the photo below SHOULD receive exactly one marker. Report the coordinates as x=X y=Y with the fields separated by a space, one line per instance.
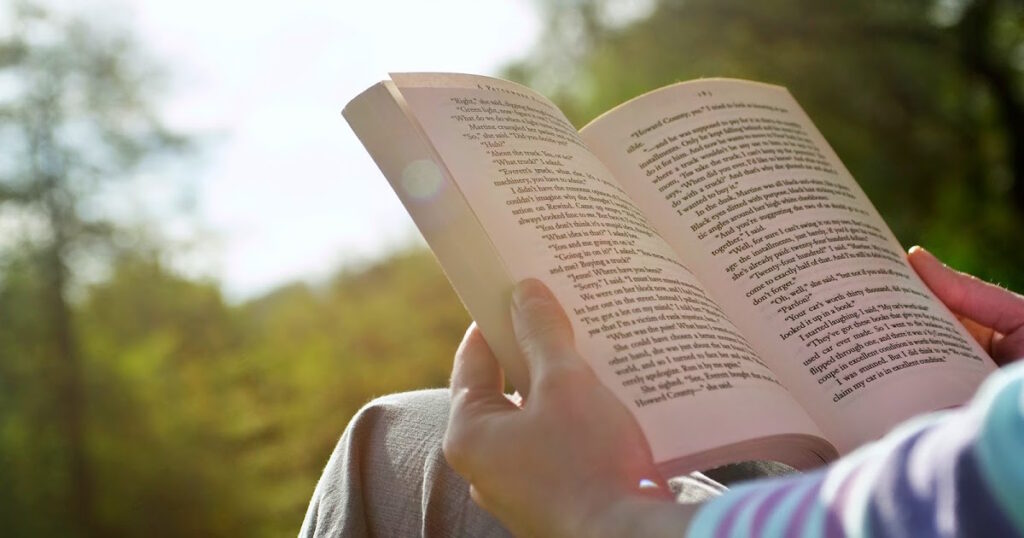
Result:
x=966 y=295
x=542 y=329
x=1008 y=348
x=475 y=366
x=982 y=334
x=477 y=384
x=476 y=396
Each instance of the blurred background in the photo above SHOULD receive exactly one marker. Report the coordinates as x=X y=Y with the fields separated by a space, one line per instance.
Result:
x=203 y=275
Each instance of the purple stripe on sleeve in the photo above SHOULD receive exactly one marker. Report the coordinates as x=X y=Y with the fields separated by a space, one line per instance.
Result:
x=799 y=517
x=728 y=520
x=768 y=504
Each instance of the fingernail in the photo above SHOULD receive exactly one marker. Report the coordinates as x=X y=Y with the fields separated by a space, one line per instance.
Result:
x=914 y=249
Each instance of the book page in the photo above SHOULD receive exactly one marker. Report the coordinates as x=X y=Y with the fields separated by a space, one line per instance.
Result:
x=739 y=181
x=380 y=120
x=640 y=317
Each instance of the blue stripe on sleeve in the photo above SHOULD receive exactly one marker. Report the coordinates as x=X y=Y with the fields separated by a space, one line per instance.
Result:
x=1000 y=446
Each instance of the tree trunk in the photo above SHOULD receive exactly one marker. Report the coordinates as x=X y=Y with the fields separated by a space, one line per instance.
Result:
x=70 y=395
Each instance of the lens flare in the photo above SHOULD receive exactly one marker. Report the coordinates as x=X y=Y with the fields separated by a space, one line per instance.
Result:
x=421 y=179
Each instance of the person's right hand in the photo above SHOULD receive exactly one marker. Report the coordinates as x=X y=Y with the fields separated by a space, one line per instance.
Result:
x=994 y=316
x=570 y=460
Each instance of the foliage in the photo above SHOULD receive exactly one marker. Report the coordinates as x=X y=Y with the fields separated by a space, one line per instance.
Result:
x=208 y=419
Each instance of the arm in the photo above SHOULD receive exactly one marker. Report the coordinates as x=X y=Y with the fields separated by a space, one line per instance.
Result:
x=956 y=473
x=953 y=473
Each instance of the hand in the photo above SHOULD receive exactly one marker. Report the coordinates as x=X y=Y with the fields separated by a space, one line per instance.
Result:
x=569 y=461
x=994 y=316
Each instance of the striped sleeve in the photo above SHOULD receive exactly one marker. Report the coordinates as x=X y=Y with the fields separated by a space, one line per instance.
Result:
x=956 y=473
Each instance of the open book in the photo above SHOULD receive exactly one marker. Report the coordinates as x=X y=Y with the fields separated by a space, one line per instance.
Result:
x=725 y=276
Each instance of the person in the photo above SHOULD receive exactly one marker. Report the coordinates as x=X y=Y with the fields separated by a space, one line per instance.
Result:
x=571 y=460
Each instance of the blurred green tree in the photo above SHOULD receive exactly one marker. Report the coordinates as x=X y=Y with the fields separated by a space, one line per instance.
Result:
x=315 y=356
x=923 y=99
x=211 y=419
x=75 y=113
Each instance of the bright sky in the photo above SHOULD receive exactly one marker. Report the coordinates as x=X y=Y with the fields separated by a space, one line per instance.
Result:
x=284 y=186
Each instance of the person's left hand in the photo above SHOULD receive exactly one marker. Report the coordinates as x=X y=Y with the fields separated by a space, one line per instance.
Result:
x=570 y=460
x=993 y=315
